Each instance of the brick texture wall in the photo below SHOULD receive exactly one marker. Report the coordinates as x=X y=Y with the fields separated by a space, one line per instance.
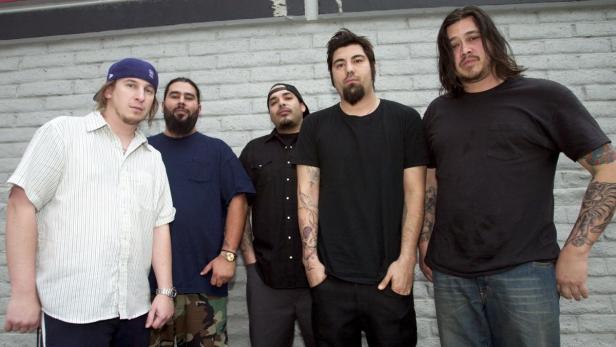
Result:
x=236 y=63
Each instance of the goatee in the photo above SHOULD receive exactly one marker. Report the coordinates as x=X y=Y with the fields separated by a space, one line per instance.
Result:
x=353 y=93
x=180 y=127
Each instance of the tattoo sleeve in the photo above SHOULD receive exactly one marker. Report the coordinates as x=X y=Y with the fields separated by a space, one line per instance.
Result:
x=429 y=214
x=308 y=178
x=596 y=213
x=602 y=155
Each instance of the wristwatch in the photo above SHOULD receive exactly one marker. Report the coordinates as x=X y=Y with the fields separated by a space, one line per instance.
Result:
x=228 y=255
x=170 y=292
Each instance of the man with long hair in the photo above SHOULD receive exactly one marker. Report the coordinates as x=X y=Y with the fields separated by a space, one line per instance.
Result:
x=361 y=175
x=489 y=241
x=87 y=214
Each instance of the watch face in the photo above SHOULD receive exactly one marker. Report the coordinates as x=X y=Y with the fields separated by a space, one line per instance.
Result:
x=228 y=255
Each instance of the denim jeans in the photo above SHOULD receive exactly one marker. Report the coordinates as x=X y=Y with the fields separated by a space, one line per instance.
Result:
x=518 y=307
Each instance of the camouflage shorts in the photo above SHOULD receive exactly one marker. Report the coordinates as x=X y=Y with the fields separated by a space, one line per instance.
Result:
x=199 y=321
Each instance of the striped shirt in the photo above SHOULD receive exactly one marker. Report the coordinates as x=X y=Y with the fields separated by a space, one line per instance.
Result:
x=97 y=206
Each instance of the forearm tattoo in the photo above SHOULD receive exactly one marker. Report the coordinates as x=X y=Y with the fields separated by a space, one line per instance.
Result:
x=246 y=243
x=429 y=214
x=309 y=215
x=602 y=155
x=596 y=213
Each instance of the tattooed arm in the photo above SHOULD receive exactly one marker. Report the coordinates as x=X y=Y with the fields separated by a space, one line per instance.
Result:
x=595 y=214
x=428 y=222
x=223 y=270
x=402 y=271
x=308 y=179
x=248 y=252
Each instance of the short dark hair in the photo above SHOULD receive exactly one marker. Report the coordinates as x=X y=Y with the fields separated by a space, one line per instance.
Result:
x=182 y=79
x=101 y=100
x=344 y=37
x=495 y=45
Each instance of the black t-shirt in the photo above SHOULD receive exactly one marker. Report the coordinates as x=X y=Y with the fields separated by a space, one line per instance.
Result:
x=361 y=162
x=277 y=242
x=495 y=155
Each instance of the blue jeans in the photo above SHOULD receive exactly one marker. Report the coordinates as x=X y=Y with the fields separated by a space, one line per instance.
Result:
x=518 y=307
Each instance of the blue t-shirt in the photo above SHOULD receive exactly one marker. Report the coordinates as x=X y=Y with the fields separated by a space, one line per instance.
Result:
x=204 y=175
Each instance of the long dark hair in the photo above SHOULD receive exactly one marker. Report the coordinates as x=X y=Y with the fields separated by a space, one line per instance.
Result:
x=183 y=79
x=495 y=45
x=345 y=37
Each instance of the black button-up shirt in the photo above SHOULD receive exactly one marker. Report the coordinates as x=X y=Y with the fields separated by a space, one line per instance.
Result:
x=277 y=242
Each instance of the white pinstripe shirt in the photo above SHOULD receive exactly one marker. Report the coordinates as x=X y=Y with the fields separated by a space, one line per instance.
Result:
x=96 y=208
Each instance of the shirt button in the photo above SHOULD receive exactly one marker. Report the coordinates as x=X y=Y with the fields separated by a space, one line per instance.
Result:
x=288 y=217
x=289 y=237
x=288 y=162
x=288 y=179
x=287 y=198
x=286 y=147
x=290 y=257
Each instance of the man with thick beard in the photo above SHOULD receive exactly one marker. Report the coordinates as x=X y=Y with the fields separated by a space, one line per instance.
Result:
x=361 y=174
x=208 y=187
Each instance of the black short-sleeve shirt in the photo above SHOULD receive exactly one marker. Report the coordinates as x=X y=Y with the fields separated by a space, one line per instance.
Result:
x=495 y=155
x=361 y=162
x=277 y=243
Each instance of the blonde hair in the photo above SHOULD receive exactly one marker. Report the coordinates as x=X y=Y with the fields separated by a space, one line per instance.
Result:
x=101 y=101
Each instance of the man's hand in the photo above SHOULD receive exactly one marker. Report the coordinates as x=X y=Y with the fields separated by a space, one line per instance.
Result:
x=571 y=273
x=315 y=272
x=23 y=313
x=222 y=271
x=400 y=273
x=161 y=311
x=423 y=250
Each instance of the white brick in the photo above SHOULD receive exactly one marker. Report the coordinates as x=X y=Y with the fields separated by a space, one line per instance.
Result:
x=303 y=56
x=423 y=50
x=248 y=59
x=44 y=88
x=12 y=150
x=281 y=73
x=598 y=323
x=185 y=63
x=244 y=90
x=596 y=29
x=607 y=124
x=53 y=59
x=391 y=52
x=595 y=303
x=580 y=76
x=258 y=121
x=538 y=31
x=390 y=83
x=320 y=40
x=218 y=46
x=16 y=134
x=430 y=22
x=85 y=86
x=89 y=44
x=568 y=324
x=365 y=27
x=186 y=35
x=405 y=67
x=68 y=102
x=573 y=45
x=109 y=56
x=245 y=31
x=517 y=16
x=527 y=47
x=571 y=15
x=422 y=82
x=220 y=76
x=24 y=105
x=600 y=92
x=594 y=340
x=129 y=40
x=410 y=35
x=225 y=107
x=598 y=60
x=7 y=92
x=233 y=138
x=23 y=50
x=157 y=51
x=549 y=61
x=280 y=43
x=9 y=64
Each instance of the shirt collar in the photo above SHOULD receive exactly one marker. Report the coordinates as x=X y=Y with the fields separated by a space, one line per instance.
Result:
x=274 y=135
x=95 y=121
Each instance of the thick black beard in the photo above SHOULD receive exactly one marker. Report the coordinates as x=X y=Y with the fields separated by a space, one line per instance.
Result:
x=178 y=127
x=353 y=93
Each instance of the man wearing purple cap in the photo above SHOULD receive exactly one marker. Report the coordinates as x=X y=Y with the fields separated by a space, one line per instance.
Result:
x=87 y=216
x=277 y=289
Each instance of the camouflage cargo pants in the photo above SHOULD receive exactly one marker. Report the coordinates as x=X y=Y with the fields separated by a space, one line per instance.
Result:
x=199 y=321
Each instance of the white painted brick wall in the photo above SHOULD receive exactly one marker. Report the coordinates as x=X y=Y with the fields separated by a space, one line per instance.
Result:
x=236 y=64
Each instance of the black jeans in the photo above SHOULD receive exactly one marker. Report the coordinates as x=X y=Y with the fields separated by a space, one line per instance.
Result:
x=105 y=333
x=342 y=310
